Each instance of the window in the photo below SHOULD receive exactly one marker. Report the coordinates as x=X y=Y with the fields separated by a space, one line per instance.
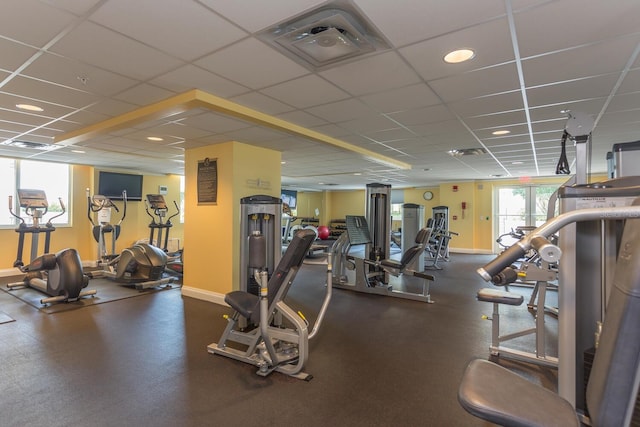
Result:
x=521 y=206
x=182 y=200
x=53 y=178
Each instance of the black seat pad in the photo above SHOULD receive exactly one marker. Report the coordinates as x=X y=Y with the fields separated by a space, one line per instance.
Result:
x=243 y=302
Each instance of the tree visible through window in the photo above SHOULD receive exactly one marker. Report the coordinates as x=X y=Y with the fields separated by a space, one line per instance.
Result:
x=521 y=206
x=53 y=178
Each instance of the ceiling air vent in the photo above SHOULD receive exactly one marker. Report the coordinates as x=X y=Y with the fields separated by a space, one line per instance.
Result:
x=29 y=145
x=325 y=37
x=466 y=152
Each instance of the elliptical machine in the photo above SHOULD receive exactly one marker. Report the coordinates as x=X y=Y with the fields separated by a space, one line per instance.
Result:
x=101 y=207
x=157 y=203
x=141 y=265
x=58 y=275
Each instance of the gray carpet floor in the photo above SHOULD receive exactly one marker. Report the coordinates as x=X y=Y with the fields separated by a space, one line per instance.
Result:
x=377 y=361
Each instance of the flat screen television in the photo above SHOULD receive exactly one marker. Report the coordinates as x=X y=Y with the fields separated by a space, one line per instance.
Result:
x=289 y=197
x=111 y=184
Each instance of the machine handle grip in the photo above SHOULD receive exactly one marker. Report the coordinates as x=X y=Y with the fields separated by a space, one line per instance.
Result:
x=506 y=276
x=64 y=208
x=547 y=250
x=502 y=261
x=10 y=203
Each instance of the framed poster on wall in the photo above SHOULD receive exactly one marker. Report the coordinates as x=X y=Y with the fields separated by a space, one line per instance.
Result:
x=208 y=181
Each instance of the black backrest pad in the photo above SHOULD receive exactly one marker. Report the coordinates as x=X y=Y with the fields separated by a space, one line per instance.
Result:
x=613 y=382
x=410 y=254
x=423 y=236
x=292 y=258
x=358 y=230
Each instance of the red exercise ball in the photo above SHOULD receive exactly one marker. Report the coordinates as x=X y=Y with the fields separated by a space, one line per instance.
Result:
x=323 y=232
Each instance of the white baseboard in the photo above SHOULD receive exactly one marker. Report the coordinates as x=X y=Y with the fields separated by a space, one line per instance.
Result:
x=471 y=251
x=8 y=272
x=201 y=294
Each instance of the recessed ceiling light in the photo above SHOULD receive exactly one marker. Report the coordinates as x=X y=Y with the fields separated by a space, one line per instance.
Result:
x=357 y=174
x=78 y=151
x=283 y=163
x=501 y=132
x=29 y=107
x=517 y=163
x=155 y=138
x=459 y=55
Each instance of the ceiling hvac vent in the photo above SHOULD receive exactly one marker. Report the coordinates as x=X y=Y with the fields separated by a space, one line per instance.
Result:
x=326 y=36
x=466 y=152
x=29 y=145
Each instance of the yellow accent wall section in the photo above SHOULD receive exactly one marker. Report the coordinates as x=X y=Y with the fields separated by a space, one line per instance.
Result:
x=212 y=231
x=347 y=203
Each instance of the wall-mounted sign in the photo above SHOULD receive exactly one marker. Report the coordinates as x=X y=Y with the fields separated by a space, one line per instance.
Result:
x=208 y=181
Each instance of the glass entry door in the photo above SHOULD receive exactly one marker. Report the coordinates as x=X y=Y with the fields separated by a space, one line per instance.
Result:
x=519 y=206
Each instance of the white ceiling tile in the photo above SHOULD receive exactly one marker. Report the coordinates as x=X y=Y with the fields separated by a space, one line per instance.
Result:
x=302 y=118
x=96 y=45
x=549 y=27
x=39 y=90
x=144 y=94
x=262 y=103
x=9 y=101
x=369 y=124
x=261 y=14
x=342 y=111
x=491 y=42
x=240 y=61
x=420 y=116
x=44 y=21
x=503 y=78
x=408 y=21
x=496 y=120
x=372 y=74
x=305 y=92
x=204 y=33
x=606 y=57
x=390 y=135
x=77 y=7
x=492 y=103
x=628 y=101
x=191 y=77
x=577 y=90
x=631 y=82
x=14 y=54
x=402 y=99
x=111 y=107
x=71 y=73
x=215 y=123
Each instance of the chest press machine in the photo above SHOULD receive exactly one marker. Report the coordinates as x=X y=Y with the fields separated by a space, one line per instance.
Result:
x=371 y=275
x=272 y=346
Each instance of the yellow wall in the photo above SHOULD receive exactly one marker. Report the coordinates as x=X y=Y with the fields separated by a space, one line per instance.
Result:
x=345 y=203
x=213 y=231
x=308 y=202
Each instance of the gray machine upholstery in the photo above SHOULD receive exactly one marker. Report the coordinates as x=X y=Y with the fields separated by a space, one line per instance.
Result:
x=498 y=395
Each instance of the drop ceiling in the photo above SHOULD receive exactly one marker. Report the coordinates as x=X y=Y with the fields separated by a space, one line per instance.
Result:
x=91 y=62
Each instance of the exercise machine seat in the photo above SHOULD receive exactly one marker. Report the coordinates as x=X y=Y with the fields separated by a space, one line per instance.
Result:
x=501 y=396
x=493 y=393
x=247 y=304
x=421 y=240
